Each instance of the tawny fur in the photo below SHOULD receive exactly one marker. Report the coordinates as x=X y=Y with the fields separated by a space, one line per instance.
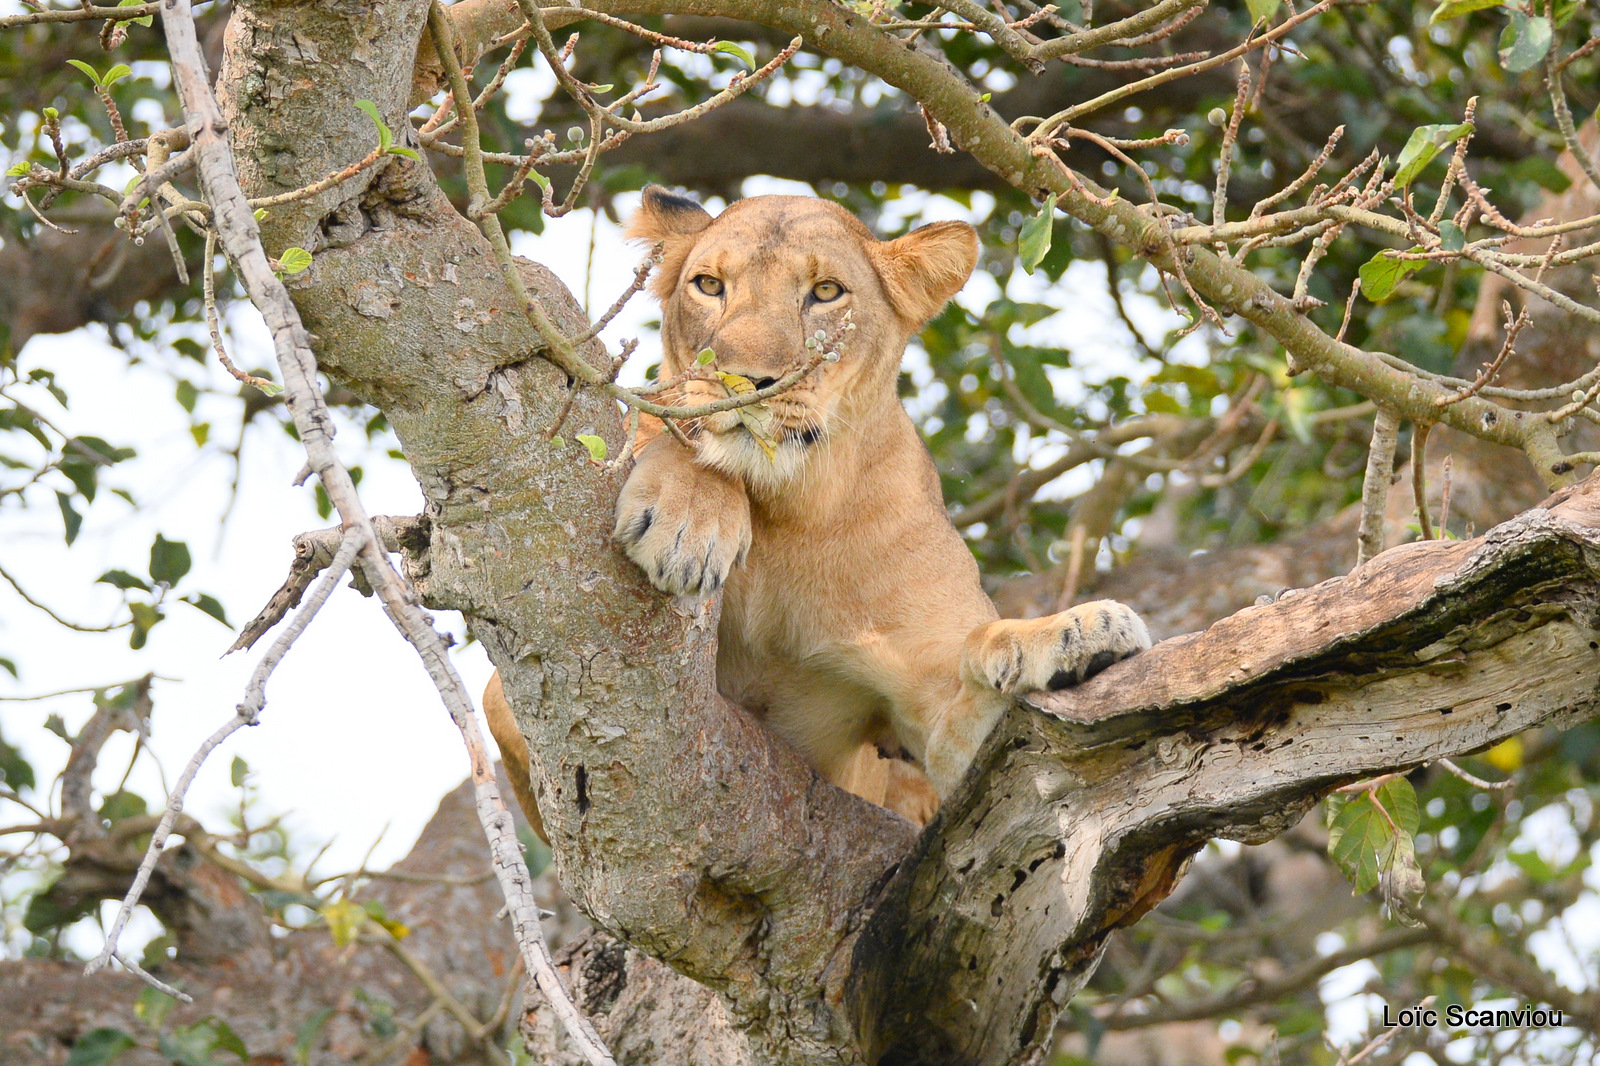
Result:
x=853 y=621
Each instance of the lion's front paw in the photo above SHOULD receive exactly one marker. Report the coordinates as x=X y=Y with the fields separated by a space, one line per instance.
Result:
x=684 y=525
x=1051 y=653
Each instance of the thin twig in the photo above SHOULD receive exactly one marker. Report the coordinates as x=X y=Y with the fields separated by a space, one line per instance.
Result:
x=1375 y=486
x=1474 y=780
x=1419 y=475
x=31 y=602
x=247 y=712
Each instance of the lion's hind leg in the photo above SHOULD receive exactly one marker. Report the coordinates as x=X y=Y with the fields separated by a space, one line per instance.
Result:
x=1015 y=655
x=890 y=782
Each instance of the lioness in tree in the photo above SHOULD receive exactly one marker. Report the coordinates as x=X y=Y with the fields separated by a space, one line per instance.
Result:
x=853 y=621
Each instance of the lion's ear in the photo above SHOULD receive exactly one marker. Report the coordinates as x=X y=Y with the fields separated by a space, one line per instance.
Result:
x=671 y=221
x=663 y=215
x=924 y=269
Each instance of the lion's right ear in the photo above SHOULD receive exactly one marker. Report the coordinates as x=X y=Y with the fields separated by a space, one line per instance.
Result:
x=672 y=221
x=924 y=269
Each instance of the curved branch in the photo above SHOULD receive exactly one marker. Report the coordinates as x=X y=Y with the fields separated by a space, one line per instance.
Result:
x=1082 y=810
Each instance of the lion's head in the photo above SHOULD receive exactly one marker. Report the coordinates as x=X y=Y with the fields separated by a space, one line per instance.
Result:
x=771 y=271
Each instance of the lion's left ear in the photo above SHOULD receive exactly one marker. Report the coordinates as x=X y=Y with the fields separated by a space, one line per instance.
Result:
x=924 y=269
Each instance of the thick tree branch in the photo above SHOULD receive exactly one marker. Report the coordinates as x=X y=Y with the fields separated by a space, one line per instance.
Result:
x=1078 y=815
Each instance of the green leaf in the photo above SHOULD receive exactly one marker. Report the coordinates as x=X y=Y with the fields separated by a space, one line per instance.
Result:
x=1537 y=870
x=294 y=260
x=1383 y=272
x=187 y=395
x=596 y=446
x=54 y=724
x=145 y=618
x=47 y=910
x=15 y=771
x=558 y=441
x=1524 y=42
x=204 y=601
x=1262 y=9
x=1540 y=171
x=99 y=1047
x=1400 y=800
x=378 y=913
x=169 y=560
x=115 y=74
x=731 y=49
x=238 y=772
x=409 y=153
x=227 y=1039
x=155 y=951
x=82 y=458
x=380 y=1014
x=70 y=518
x=123 y=804
x=1454 y=9
x=87 y=69
x=195 y=1045
x=19 y=169
x=308 y=1035
x=153 y=1007
x=1452 y=238
x=142 y=20
x=385 y=135
x=1564 y=10
x=1423 y=146
x=122 y=580
x=1359 y=841
x=1033 y=240
x=705 y=356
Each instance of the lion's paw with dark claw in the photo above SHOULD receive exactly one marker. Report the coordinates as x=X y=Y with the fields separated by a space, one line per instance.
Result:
x=685 y=525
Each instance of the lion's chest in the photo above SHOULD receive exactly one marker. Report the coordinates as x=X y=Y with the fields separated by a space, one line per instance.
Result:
x=795 y=620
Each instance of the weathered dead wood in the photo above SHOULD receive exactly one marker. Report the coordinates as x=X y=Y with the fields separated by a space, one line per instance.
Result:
x=313 y=552
x=1082 y=810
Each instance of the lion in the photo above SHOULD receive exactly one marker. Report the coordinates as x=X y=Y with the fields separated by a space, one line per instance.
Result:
x=853 y=621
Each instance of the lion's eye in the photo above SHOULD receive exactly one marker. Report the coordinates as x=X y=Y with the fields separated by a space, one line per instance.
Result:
x=827 y=291
x=707 y=284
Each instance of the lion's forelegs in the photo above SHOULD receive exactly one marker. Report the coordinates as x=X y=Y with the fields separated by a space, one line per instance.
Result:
x=1006 y=657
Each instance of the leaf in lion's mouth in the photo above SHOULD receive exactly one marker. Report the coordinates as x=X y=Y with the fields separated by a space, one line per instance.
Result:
x=756 y=418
